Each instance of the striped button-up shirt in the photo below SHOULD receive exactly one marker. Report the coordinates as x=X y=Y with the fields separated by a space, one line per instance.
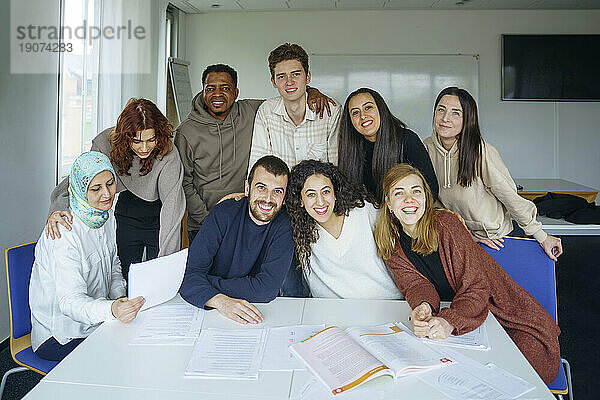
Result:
x=276 y=134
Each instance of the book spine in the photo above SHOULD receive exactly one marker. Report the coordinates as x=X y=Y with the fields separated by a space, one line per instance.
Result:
x=360 y=380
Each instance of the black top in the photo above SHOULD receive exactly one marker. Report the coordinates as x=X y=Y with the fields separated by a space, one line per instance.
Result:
x=145 y=213
x=414 y=153
x=430 y=266
x=368 y=169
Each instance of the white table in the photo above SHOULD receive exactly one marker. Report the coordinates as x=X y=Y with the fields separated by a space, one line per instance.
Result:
x=105 y=365
x=565 y=228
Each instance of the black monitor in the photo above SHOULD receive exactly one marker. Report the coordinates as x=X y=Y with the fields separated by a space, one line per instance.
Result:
x=551 y=67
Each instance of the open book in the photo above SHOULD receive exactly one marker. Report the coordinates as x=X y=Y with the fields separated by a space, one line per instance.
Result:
x=343 y=359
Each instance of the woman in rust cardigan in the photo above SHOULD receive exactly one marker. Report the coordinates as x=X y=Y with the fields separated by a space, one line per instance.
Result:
x=433 y=258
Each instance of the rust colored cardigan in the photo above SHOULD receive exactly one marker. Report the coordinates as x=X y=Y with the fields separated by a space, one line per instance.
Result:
x=480 y=285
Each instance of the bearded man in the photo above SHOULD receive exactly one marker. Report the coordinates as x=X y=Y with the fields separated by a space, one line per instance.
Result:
x=243 y=250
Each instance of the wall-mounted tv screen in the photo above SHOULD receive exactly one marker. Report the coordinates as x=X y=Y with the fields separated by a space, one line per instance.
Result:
x=551 y=67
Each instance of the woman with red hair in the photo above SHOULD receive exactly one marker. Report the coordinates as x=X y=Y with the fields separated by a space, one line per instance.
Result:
x=151 y=201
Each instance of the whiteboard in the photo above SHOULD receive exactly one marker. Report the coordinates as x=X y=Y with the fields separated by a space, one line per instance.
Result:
x=182 y=87
x=409 y=83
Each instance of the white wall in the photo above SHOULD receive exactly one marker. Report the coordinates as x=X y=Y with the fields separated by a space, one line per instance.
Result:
x=536 y=139
x=27 y=154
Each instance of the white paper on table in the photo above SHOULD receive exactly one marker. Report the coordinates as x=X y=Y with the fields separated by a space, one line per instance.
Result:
x=468 y=379
x=157 y=280
x=222 y=353
x=315 y=390
x=277 y=355
x=177 y=323
x=477 y=339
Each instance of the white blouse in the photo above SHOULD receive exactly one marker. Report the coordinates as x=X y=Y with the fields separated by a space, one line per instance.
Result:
x=348 y=267
x=74 y=281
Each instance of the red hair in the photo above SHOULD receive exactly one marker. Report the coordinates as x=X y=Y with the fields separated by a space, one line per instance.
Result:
x=139 y=115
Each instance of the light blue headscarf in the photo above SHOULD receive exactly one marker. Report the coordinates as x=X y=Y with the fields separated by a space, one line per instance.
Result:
x=85 y=167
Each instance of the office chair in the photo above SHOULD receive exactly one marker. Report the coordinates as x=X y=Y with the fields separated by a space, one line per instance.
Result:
x=19 y=262
x=527 y=263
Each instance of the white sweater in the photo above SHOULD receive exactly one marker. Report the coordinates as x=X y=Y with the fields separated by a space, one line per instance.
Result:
x=348 y=267
x=73 y=282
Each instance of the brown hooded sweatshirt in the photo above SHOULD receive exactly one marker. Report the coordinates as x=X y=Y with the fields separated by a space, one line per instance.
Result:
x=214 y=154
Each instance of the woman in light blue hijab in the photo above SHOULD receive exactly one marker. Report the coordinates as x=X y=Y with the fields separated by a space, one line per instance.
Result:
x=85 y=168
x=76 y=283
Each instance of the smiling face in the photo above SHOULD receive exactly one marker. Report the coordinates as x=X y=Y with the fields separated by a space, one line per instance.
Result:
x=318 y=198
x=101 y=191
x=406 y=200
x=265 y=195
x=219 y=94
x=143 y=143
x=290 y=79
x=448 y=119
x=364 y=115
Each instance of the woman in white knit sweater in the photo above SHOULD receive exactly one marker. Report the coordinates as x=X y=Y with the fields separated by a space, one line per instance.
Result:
x=333 y=229
x=473 y=180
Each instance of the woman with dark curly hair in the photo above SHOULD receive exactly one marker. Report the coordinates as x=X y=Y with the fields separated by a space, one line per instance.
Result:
x=372 y=140
x=332 y=225
x=151 y=201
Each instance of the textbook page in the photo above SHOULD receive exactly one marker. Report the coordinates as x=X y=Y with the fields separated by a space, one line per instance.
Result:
x=157 y=280
x=398 y=349
x=468 y=379
x=227 y=353
x=277 y=355
x=338 y=361
x=177 y=323
x=477 y=339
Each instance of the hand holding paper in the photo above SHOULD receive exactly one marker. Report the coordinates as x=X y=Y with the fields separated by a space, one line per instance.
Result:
x=157 y=280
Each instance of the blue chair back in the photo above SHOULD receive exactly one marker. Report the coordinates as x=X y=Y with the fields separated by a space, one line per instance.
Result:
x=19 y=262
x=527 y=263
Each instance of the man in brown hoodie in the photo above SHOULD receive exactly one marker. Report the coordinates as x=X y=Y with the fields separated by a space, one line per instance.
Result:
x=214 y=142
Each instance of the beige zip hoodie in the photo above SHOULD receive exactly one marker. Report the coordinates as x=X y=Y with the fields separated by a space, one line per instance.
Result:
x=492 y=198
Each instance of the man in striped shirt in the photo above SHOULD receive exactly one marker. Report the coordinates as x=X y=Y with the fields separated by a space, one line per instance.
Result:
x=284 y=125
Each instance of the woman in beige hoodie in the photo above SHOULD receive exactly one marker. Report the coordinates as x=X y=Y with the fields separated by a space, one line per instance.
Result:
x=473 y=180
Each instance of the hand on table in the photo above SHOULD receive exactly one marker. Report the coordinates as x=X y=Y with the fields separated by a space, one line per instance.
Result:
x=237 y=196
x=238 y=310
x=439 y=328
x=419 y=317
x=126 y=310
x=58 y=217
x=552 y=246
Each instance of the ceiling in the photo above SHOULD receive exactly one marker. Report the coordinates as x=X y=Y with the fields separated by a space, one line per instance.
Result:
x=210 y=6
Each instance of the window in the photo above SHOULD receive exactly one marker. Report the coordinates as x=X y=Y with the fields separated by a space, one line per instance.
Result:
x=77 y=92
x=111 y=57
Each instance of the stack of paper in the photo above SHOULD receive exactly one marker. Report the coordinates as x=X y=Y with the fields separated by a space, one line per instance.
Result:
x=177 y=323
x=468 y=379
x=277 y=355
x=221 y=353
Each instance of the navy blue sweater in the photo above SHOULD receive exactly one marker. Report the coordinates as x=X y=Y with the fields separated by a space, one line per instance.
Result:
x=233 y=255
